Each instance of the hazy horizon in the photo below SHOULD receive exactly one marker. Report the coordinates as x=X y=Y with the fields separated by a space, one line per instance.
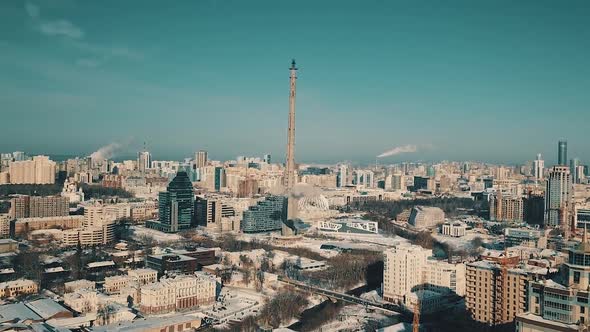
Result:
x=460 y=80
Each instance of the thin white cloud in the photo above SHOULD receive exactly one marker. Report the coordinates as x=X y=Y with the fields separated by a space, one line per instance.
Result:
x=93 y=55
x=86 y=62
x=32 y=10
x=107 y=51
x=61 y=28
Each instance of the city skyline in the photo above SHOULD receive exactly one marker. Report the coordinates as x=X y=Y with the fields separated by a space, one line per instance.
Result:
x=482 y=86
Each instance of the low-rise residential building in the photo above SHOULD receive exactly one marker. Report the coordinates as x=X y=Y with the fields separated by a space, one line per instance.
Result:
x=18 y=287
x=8 y=245
x=72 y=286
x=143 y=276
x=114 y=285
x=25 y=225
x=82 y=300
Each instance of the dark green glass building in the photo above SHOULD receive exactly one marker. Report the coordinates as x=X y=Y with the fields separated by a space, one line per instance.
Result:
x=176 y=205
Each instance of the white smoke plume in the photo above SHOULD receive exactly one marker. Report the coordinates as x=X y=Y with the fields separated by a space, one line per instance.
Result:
x=107 y=151
x=397 y=150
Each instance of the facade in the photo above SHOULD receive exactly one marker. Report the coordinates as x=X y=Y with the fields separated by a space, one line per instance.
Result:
x=267 y=215
x=506 y=208
x=558 y=195
x=174 y=294
x=407 y=268
x=176 y=205
x=426 y=216
x=39 y=170
x=39 y=206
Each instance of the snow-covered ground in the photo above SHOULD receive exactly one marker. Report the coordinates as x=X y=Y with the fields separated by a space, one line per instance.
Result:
x=140 y=231
x=463 y=242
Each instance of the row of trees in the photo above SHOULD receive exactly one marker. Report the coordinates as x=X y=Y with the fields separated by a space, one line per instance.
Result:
x=228 y=242
x=345 y=270
x=282 y=308
x=90 y=190
x=30 y=189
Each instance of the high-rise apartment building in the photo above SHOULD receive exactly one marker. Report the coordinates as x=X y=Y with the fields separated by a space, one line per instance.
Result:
x=201 y=159
x=343 y=176
x=506 y=208
x=220 y=179
x=575 y=174
x=558 y=197
x=176 y=205
x=496 y=292
x=398 y=182
x=562 y=153
x=39 y=170
x=39 y=206
x=267 y=215
x=364 y=178
x=408 y=268
x=538 y=167
x=144 y=161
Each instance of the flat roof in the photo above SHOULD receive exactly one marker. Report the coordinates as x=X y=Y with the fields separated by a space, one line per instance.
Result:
x=146 y=323
x=19 y=311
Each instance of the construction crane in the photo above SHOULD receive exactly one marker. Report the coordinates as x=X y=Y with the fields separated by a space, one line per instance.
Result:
x=416 y=322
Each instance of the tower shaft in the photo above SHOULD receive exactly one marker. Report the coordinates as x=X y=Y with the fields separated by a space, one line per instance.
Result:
x=290 y=164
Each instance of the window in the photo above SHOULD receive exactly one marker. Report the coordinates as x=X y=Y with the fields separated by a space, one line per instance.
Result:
x=576 y=277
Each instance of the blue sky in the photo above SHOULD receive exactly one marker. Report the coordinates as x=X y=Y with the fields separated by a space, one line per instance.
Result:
x=462 y=80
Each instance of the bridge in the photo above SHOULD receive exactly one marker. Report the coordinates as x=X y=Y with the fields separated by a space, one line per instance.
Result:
x=389 y=309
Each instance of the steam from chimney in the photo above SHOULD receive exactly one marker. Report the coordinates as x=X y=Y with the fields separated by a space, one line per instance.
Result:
x=107 y=151
x=397 y=150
